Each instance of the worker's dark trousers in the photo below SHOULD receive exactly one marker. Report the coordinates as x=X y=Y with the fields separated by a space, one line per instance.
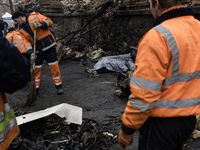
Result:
x=165 y=133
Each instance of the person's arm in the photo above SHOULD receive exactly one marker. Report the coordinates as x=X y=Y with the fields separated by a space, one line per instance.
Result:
x=42 y=22
x=14 y=68
x=45 y=21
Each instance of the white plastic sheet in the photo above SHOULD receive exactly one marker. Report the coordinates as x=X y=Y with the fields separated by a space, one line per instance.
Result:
x=73 y=114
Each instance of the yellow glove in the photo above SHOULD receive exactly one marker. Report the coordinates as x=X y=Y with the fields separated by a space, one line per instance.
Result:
x=33 y=57
x=36 y=25
x=125 y=139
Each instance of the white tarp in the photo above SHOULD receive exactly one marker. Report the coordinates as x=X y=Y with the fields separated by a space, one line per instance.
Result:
x=115 y=63
x=7 y=15
x=72 y=114
x=8 y=18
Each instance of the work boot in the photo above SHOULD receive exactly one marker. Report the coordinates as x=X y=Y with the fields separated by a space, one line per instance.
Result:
x=59 y=91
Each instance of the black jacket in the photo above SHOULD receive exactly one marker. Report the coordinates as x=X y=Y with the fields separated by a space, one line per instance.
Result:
x=14 y=68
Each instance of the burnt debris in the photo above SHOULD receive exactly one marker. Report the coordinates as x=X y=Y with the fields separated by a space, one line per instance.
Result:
x=53 y=133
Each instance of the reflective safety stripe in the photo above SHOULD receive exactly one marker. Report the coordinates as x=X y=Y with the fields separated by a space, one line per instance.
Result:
x=11 y=124
x=175 y=54
x=145 y=84
x=28 y=48
x=182 y=103
x=18 y=44
x=46 y=48
x=37 y=80
x=176 y=76
x=46 y=23
x=50 y=21
x=32 y=19
x=8 y=116
x=183 y=77
x=140 y=105
x=53 y=63
x=17 y=40
x=7 y=123
x=57 y=77
x=6 y=109
x=38 y=66
x=21 y=30
x=27 y=44
x=58 y=83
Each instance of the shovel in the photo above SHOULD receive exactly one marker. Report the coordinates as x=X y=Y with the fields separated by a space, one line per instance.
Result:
x=32 y=94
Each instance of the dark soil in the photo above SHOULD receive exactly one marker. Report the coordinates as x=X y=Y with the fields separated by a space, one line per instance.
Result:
x=94 y=94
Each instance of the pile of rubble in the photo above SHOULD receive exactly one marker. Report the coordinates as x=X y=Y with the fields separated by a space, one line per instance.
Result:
x=52 y=132
x=70 y=6
x=79 y=52
x=82 y=6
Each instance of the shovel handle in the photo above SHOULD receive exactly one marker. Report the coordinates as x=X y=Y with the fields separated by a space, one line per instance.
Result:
x=34 y=47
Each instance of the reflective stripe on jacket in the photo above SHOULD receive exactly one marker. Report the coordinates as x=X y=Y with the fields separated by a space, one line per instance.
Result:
x=45 y=39
x=8 y=124
x=166 y=79
x=17 y=40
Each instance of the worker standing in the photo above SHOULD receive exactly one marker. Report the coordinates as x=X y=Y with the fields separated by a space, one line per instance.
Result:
x=165 y=93
x=15 y=73
x=3 y=27
x=46 y=44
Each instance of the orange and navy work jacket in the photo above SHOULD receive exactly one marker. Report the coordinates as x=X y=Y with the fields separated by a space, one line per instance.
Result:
x=166 y=79
x=8 y=124
x=17 y=40
x=44 y=38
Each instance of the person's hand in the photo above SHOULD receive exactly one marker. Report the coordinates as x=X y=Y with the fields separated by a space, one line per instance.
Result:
x=33 y=57
x=125 y=139
x=36 y=25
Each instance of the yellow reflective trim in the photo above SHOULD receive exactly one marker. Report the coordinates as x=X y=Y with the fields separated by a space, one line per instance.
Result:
x=9 y=116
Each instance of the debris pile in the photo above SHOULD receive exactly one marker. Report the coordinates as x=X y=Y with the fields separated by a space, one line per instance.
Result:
x=79 y=52
x=82 y=6
x=70 y=6
x=52 y=132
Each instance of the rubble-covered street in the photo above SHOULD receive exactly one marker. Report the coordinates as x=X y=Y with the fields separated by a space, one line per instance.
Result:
x=101 y=111
x=85 y=31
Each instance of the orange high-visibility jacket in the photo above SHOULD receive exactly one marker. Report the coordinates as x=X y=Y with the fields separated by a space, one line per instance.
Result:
x=166 y=79
x=44 y=37
x=8 y=124
x=18 y=40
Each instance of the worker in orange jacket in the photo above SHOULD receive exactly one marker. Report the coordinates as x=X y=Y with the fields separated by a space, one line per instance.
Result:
x=18 y=40
x=15 y=73
x=165 y=93
x=45 y=45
